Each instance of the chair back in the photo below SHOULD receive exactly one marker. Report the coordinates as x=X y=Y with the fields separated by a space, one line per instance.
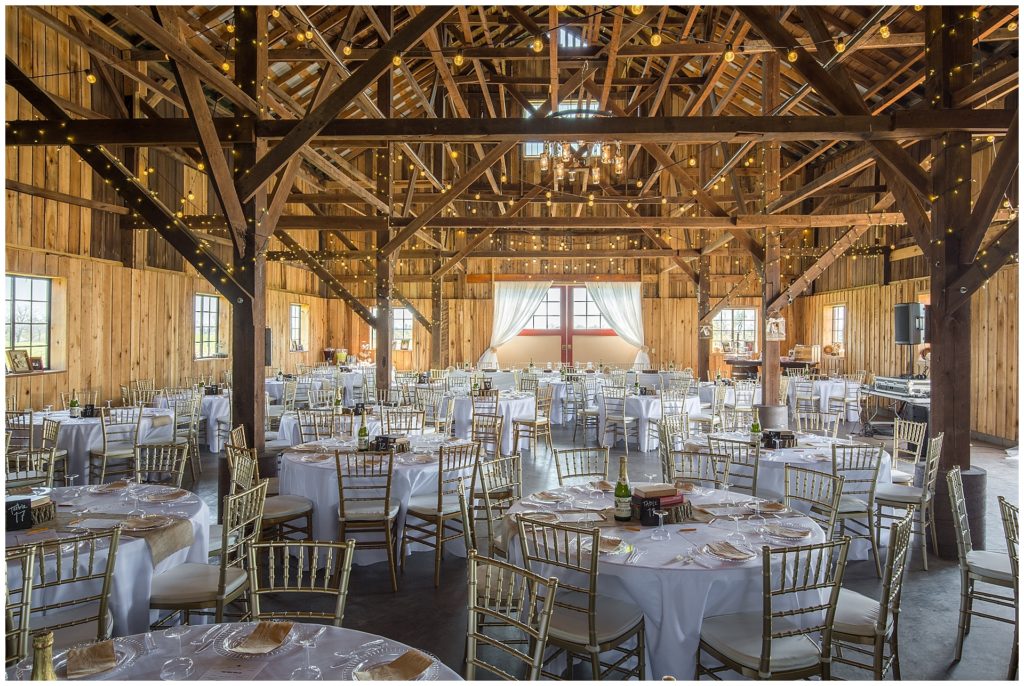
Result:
x=455 y=463
x=958 y=506
x=237 y=437
x=19 y=566
x=84 y=398
x=120 y=426
x=743 y=395
x=364 y=485
x=485 y=401
x=895 y=570
x=28 y=469
x=144 y=397
x=784 y=382
x=1011 y=531
x=528 y=383
x=907 y=441
x=581 y=464
x=501 y=485
x=12 y=403
x=744 y=459
x=86 y=563
x=487 y=430
x=304 y=584
x=403 y=420
x=506 y=600
x=457 y=384
x=814 y=493
x=698 y=468
x=673 y=402
x=242 y=467
x=20 y=435
x=142 y=385
x=614 y=402
x=931 y=468
x=822 y=423
x=160 y=464
x=801 y=588
x=674 y=425
x=322 y=397
x=242 y=522
x=314 y=424
x=435 y=407
x=289 y=394
x=51 y=434
x=858 y=465
x=186 y=416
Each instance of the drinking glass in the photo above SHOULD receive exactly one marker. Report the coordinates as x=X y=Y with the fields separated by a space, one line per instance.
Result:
x=310 y=672
x=757 y=520
x=131 y=495
x=177 y=668
x=47 y=410
x=660 y=533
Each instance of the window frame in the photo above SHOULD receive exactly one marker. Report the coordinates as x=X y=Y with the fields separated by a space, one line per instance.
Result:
x=754 y=330
x=395 y=340
x=200 y=343
x=828 y=322
x=11 y=324
x=303 y=327
x=535 y=331
x=567 y=318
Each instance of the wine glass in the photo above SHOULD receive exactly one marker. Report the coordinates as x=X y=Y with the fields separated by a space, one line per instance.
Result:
x=310 y=672
x=177 y=668
x=69 y=481
x=47 y=409
x=131 y=495
x=756 y=520
x=660 y=533
x=652 y=477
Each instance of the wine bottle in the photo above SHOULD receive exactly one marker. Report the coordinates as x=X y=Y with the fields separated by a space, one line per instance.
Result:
x=755 y=431
x=42 y=657
x=364 y=434
x=623 y=494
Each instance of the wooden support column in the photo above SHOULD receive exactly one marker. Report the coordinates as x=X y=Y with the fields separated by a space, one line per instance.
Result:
x=438 y=318
x=249 y=318
x=771 y=368
x=385 y=263
x=949 y=64
x=703 y=308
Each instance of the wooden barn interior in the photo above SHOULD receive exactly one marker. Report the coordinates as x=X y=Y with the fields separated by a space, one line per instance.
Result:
x=230 y=194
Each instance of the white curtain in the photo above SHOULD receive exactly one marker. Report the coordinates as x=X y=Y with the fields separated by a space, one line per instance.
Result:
x=620 y=305
x=514 y=305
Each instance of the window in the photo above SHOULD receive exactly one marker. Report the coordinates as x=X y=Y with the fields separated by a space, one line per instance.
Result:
x=548 y=316
x=207 y=326
x=298 y=326
x=535 y=148
x=734 y=330
x=27 y=316
x=834 y=322
x=570 y=39
x=585 y=315
x=401 y=329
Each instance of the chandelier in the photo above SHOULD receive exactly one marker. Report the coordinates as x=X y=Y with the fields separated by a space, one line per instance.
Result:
x=568 y=159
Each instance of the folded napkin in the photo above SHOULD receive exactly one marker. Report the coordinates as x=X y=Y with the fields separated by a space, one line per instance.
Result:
x=166 y=496
x=606 y=486
x=729 y=551
x=771 y=507
x=610 y=543
x=146 y=523
x=265 y=637
x=318 y=457
x=406 y=668
x=118 y=485
x=92 y=659
x=793 y=533
x=548 y=496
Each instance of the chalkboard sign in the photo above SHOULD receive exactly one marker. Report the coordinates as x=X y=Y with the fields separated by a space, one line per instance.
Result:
x=19 y=513
x=359 y=408
x=644 y=508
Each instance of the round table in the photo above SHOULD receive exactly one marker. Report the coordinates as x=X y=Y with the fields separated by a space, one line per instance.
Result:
x=79 y=436
x=557 y=395
x=674 y=596
x=511 y=406
x=824 y=389
x=304 y=472
x=288 y=429
x=151 y=650
x=646 y=408
x=134 y=568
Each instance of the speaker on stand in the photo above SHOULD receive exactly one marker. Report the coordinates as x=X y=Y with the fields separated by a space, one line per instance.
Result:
x=910 y=326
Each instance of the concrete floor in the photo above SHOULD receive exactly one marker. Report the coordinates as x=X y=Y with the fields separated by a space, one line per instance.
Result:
x=435 y=619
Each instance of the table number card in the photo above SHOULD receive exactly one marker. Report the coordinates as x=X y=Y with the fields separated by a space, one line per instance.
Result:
x=18 y=513
x=235 y=670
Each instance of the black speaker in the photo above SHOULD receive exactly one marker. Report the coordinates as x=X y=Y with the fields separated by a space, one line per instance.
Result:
x=267 y=349
x=911 y=323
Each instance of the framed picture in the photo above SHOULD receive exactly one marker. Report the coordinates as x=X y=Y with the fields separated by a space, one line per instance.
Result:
x=36 y=363
x=17 y=361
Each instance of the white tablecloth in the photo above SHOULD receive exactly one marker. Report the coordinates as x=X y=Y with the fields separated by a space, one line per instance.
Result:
x=156 y=648
x=288 y=429
x=824 y=388
x=706 y=391
x=674 y=597
x=79 y=436
x=646 y=408
x=510 y=406
x=557 y=396
x=133 y=569
x=503 y=381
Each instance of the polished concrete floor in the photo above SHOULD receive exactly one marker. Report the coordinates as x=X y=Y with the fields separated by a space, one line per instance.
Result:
x=435 y=619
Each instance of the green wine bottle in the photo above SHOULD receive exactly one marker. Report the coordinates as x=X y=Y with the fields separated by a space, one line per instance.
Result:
x=623 y=494
x=364 y=434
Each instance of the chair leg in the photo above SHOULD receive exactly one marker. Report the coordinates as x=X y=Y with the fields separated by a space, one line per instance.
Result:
x=962 y=624
x=894 y=646
x=391 y=554
x=931 y=525
x=924 y=539
x=438 y=551
x=874 y=545
x=1011 y=673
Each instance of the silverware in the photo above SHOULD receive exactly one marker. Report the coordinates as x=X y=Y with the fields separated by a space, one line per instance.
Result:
x=355 y=653
x=206 y=634
x=213 y=639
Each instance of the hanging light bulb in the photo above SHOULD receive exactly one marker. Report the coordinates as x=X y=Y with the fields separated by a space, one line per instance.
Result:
x=459 y=59
x=655 y=39
x=730 y=55
x=545 y=159
x=884 y=31
x=89 y=76
x=454 y=153
x=840 y=45
x=590 y=200
x=566 y=152
x=792 y=56
x=636 y=10
x=620 y=165
x=230 y=28
x=300 y=36
x=561 y=8
x=918 y=8
x=191 y=195
x=396 y=60
x=346 y=50
x=537 y=45
x=504 y=178
x=226 y=66
x=606 y=153
x=693 y=161
x=547 y=194
x=559 y=170
x=1012 y=26
x=200 y=166
x=275 y=13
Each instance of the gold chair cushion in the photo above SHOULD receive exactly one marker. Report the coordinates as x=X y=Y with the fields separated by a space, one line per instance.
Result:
x=278 y=506
x=738 y=637
x=857 y=614
x=193 y=582
x=614 y=618
x=899 y=494
x=369 y=512
x=990 y=564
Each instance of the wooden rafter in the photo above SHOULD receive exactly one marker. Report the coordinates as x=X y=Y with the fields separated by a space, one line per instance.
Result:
x=802 y=282
x=1000 y=175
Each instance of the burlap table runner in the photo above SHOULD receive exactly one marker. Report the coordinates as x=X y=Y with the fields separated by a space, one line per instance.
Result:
x=162 y=542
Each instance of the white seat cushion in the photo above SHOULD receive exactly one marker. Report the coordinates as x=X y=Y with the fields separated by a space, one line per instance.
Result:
x=193 y=582
x=850 y=503
x=899 y=477
x=427 y=504
x=738 y=637
x=614 y=618
x=898 y=494
x=369 y=512
x=703 y=417
x=857 y=614
x=115 y=450
x=991 y=564
x=278 y=506
x=72 y=635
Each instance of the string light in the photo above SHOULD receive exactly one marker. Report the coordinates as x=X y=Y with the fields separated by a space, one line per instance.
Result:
x=230 y=28
x=459 y=59
x=1012 y=26
x=346 y=50
x=840 y=45
x=226 y=66
x=89 y=76
x=538 y=44
x=300 y=36
x=275 y=13
x=730 y=55
x=655 y=39
x=309 y=33
x=561 y=8
x=636 y=10
x=792 y=55
x=396 y=60
x=884 y=31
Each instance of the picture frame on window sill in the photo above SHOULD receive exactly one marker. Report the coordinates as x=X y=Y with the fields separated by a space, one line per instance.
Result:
x=18 y=362
x=36 y=363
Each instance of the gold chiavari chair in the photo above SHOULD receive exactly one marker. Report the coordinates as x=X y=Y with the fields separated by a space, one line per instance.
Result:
x=848 y=399
x=365 y=505
x=28 y=469
x=907 y=446
x=186 y=430
x=816 y=494
x=280 y=512
x=161 y=464
x=673 y=406
x=49 y=441
x=858 y=465
x=457 y=384
x=791 y=637
x=20 y=433
x=86 y=564
x=539 y=426
x=144 y=397
x=584 y=625
x=506 y=600
x=501 y=486
x=487 y=431
x=85 y=397
x=922 y=498
x=19 y=564
x=436 y=408
x=12 y=403
x=806 y=398
x=585 y=413
x=528 y=383
x=709 y=418
x=318 y=423
x=581 y=465
x=744 y=459
x=403 y=420
x=616 y=421
x=126 y=396
x=322 y=398
x=976 y=566
x=1011 y=531
x=821 y=423
x=198 y=587
x=430 y=517
x=861 y=621
x=784 y=382
x=485 y=401
x=698 y=468
x=310 y=583
x=120 y=426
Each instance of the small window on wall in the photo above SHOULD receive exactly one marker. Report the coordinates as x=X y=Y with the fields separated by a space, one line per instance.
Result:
x=401 y=329
x=585 y=314
x=548 y=316
x=298 y=326
x=208 y=342
x=27 y=319
x=734 y=330
x=834 y=323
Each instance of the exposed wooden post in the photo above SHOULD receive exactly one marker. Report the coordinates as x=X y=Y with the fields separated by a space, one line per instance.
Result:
x=949 y=63
x=249 y=318
x=703 y=308
x=438 y=343
x=771 y=286
x=385 y=263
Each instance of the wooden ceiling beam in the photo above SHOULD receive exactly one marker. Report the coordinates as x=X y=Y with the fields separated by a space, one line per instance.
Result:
x=801 y=283
x=998 y=253
x=1000 y=175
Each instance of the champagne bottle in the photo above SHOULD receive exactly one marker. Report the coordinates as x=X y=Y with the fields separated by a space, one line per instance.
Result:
x=623 y=494
x=364 y=434
x=42 y=657
x=755 y=431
